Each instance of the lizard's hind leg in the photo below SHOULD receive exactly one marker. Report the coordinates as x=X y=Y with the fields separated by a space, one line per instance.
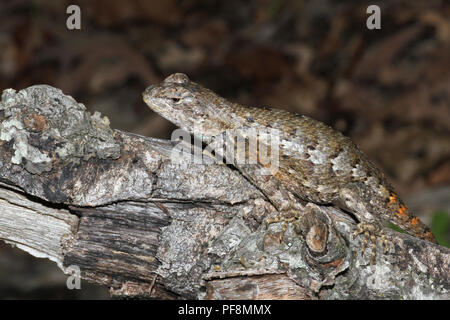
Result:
x=372 y=233
x=354 y=198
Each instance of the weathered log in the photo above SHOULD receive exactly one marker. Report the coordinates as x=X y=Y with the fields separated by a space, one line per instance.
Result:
x=117 y=206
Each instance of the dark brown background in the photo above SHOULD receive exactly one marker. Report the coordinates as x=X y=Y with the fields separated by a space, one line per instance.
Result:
x=388 y=89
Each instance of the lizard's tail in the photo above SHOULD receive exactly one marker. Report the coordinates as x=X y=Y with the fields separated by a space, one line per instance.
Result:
x=407 y=221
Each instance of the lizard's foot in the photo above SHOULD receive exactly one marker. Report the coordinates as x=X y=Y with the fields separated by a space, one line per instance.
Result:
x=373 y=233
x=287 y=217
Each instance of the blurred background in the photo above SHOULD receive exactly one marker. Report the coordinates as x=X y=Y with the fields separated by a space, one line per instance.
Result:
x=388 y=89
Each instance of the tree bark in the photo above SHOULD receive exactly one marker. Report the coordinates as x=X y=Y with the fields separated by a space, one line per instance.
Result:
x=115 y=205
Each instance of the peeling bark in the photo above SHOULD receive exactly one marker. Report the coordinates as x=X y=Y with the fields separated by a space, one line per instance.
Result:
x=114 y=204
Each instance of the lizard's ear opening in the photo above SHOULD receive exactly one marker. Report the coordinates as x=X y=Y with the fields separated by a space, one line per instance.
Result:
x=177 y=78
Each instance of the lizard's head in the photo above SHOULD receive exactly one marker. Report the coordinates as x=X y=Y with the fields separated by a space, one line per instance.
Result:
x=188 y=105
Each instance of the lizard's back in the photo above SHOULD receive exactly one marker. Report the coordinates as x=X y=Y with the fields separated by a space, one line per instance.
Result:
x=321 y=165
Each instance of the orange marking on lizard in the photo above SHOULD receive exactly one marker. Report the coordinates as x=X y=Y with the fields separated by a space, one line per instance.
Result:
x=402 y=211
x=392 y=199
x=414 y=221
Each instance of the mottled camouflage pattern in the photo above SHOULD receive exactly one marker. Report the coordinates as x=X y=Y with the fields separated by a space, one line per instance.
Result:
x=316 y=163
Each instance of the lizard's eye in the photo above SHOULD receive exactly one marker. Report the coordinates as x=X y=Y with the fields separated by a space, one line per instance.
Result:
x=175 y=99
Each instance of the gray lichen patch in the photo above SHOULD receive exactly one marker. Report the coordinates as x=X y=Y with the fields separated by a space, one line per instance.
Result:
x=44 y=124
x=37 y=161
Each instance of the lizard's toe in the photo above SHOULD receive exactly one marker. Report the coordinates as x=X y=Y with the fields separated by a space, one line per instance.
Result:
x=286 y=217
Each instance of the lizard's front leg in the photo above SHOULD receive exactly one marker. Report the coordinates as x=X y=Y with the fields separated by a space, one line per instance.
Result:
x=287 y=215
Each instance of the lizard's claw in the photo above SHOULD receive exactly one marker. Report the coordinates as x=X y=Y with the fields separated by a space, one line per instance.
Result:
x=373 y=233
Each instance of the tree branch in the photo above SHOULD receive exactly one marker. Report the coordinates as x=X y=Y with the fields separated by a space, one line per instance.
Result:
x=115 y=205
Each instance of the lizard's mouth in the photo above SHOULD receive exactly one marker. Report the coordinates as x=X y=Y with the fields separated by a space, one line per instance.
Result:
x=147 y=93
x=154 y=103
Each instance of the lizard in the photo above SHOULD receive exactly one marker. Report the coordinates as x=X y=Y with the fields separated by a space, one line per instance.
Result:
x=316 y=163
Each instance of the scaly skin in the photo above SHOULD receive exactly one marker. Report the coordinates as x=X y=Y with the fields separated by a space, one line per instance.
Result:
x=316 y=163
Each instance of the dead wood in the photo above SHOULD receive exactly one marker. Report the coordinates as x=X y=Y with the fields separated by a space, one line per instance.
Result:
x=114 y=204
